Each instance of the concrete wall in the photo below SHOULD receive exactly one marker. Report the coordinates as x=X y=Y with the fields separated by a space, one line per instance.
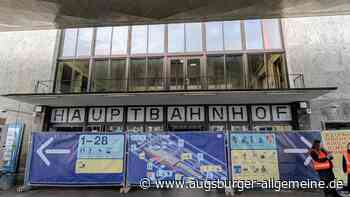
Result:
x=25 y=57
x=319 y=47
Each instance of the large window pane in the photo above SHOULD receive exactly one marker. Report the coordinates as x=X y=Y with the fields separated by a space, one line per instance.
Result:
x=139 y=39
x=84 y=42
x=103 y=41
x=272 y=34
x=193 y=37
x=276 y=71
x=214 y=36
x=234 y=72
x=257 y=72
x=69 y=42
x=216 y=72
x=120 y=40
x=156 y=39
x=137 y=74
x=193 y=73
x=101 y=79
x=232 y=35
x=118 y=74
x=155 y=74
x=177 y=74
x=176 y=38
x=72 y=76
x=253 y=34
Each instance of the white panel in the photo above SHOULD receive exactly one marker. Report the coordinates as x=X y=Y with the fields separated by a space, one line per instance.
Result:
x=176 y=114
x=154 y=114
x=217 y=113
x=261 y=113
x=115 y=114
x=76 y=115
x=237 y=113
x=195 y=113
x=59 y=115
x=97 y=114
x=136 y=114
x=281 y=113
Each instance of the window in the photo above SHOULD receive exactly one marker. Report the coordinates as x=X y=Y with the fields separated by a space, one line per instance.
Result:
x=253 y=34
x=137 y=74
x=118 y=74
x=257 y=72
x=234 y=72
x=176 y=38
x=155 y=74
x=214 y=36
x=120 y=40
x=101 y=80
x=103 y=41
x=193 y=37
x=84 y=42
x=72 y=76
x=139 y=39
x=216 y=72
x=69 y=43
x=272 y=37
x=232 y=35
x=276 y=71
x=156 y=39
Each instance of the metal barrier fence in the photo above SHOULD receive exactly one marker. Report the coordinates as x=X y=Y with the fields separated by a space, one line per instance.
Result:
x=124 y=159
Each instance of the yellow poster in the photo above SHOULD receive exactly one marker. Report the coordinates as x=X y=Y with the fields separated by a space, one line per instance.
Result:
x=336 y=142
x=254 y=164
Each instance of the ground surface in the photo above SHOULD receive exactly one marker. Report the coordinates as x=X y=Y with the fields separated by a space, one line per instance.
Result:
x=78 y=192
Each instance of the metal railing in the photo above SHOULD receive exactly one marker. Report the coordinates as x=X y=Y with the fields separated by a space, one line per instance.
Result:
x=158 y=84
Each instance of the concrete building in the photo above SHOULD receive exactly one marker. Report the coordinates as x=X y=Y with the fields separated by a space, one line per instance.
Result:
x=161 y=75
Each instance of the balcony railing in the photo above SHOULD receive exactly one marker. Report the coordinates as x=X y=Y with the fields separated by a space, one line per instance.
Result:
x=162 y=84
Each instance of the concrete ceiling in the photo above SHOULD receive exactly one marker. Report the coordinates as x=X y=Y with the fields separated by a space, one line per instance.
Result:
x=46 y=14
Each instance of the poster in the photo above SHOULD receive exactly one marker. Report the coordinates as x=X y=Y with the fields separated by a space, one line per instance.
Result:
x=176 y=156
x=254 y=156
x=11 y=150
x=77 y=159
x=336 y=142
x=295 y=162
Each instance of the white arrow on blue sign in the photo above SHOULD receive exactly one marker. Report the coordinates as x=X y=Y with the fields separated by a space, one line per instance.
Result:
x=41 y=151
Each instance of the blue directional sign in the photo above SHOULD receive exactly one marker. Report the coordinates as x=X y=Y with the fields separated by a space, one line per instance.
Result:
x=77 y=159
x=176 y=156
x=295 y=163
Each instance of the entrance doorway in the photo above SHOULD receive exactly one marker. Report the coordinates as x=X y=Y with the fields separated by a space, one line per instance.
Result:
x=185 y=73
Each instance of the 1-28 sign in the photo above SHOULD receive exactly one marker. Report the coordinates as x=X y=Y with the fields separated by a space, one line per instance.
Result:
x=97 y=140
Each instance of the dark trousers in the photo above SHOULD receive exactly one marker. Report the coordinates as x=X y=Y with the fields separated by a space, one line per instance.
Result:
x=328 y=176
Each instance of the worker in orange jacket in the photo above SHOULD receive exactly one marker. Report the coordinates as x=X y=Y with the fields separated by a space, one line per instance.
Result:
x=322 y=162
x=346 y=164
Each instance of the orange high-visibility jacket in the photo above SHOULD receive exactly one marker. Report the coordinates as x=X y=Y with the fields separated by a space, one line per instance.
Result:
x=346 y=155
x=325 y=165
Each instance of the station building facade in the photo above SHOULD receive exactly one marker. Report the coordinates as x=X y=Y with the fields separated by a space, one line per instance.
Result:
x=262 y=75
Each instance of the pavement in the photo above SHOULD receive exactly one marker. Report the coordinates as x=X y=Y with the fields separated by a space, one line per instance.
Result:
x=106 y=192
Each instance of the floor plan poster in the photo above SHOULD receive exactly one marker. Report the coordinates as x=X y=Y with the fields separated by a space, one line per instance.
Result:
x=336 y=142
x=77 y=159
x=254 y=156
x=177 y=156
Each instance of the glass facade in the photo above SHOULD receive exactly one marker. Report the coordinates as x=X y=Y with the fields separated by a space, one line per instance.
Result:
x=184 y=56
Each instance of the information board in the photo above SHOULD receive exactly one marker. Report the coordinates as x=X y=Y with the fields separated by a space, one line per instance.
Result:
x=176 y=156
x=77 y=159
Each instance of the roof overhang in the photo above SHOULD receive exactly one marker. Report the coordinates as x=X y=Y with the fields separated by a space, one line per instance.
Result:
x=44 y=14
x=173 y=98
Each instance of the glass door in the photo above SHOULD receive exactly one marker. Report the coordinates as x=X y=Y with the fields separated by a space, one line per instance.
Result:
x=185 y=73
x=177 y=74
x=193 y=73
